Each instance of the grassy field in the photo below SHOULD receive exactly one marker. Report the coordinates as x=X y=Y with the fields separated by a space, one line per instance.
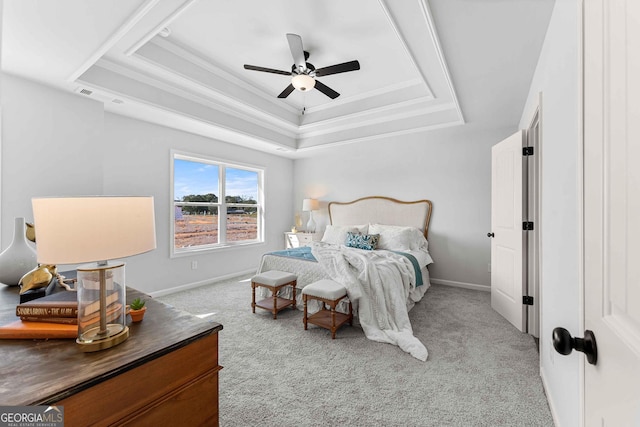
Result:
x=195 y=230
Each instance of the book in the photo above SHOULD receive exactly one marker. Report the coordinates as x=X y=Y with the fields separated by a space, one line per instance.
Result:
x=30 y=330
x=112 y=296
x=63 y=304
x=58 y=304
x=113 y=312
x=64 y=320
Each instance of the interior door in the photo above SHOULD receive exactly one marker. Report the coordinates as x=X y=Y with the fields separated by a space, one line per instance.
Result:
x=612 y=210
x=507 y=243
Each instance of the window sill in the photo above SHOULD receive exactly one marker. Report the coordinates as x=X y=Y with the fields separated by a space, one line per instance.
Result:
x=213 y=248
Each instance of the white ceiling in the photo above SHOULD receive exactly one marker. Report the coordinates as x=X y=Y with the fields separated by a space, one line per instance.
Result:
x=425 y=64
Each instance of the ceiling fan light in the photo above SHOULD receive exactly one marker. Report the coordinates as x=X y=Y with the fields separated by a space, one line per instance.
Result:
x=303 y=82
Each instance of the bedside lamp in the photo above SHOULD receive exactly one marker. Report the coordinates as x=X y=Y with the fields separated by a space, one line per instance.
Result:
x=72 y=230
x=310 y=205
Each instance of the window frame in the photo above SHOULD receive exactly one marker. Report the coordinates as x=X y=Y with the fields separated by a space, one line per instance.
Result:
x=222 y=204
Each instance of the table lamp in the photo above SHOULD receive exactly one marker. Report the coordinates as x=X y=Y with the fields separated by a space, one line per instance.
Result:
x=310 y=205
x=95 y=229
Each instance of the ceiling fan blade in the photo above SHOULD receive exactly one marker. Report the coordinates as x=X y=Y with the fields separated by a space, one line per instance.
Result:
x=287 y=91
x=266 y=70
x=297 y=51
x=326 y=90
x=338 y=68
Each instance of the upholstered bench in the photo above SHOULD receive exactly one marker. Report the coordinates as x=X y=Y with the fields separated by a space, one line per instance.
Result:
x=328 y=292
x=273 y=280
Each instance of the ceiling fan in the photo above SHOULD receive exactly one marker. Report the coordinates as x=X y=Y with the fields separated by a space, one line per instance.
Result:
x=303 y=73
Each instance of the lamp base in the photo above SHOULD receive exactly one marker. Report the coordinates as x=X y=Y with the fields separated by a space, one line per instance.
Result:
x=311 y=225
x=88 y=344
x=101 y=306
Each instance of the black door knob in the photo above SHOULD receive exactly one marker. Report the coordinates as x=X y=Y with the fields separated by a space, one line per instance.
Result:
x=563 y=342
x=491 y=235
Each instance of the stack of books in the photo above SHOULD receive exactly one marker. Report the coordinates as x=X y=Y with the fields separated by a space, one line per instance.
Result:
x=59 y=307
x=56 y=316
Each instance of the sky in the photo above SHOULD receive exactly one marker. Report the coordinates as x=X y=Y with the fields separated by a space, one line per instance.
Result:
x=202 y=178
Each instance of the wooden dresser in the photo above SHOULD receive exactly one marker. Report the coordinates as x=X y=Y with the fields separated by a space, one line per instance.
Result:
x=166 y=373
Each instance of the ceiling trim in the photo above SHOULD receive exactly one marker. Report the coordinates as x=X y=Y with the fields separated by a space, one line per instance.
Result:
x=367 y=95
x=138 y=75
x=377 y=136
x=404 y=44
x=398 y=115
x=215 y=69
x=165 y=22
x=428 y=17
x=113 y=39
x=212 y=94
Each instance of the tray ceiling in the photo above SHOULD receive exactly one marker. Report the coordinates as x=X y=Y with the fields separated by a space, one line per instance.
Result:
x=180 y=63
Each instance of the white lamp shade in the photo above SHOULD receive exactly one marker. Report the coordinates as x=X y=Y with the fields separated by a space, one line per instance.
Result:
x=310 y=205
x=73 y=230
x=303 y=82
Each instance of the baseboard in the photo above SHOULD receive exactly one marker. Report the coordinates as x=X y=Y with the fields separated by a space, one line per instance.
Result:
x=473 y=286
x=554 y=415
x=193 y=285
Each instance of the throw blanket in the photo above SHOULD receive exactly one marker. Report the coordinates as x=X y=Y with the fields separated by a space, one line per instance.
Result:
x=304 y=252
x=378 y=283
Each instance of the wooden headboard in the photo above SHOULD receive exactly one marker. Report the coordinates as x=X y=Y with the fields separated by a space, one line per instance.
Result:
x=382 y=210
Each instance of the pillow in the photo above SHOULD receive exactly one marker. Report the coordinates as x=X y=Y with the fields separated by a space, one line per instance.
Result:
x=362 y=241
x=337 y=234
x=398 y=238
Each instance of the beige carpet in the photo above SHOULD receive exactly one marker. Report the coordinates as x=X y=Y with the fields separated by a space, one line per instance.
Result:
x=481 y=371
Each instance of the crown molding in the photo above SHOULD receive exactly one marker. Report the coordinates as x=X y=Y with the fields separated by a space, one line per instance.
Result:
x=428 y=17
x=159 y=27
x=113 y=38
x=390 y=134
x=383 y=114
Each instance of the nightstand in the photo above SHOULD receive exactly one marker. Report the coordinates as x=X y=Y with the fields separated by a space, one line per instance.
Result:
x=295 y=240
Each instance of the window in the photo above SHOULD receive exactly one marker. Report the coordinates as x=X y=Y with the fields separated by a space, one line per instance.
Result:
x=215 y=204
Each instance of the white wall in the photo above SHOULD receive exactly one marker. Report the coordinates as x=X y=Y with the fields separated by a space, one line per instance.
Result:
x=137 y=161
x=451 y=167
x=558 y=78
x=60 y=144
x=51 y=146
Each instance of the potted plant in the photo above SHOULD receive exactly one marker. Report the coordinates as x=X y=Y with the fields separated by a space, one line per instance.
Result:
x=137 y=309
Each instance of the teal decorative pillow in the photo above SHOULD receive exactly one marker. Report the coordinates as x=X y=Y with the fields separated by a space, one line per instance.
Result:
x=362 y=241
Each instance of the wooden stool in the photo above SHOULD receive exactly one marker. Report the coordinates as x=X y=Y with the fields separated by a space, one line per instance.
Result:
x=328 y=292
x=273 y=280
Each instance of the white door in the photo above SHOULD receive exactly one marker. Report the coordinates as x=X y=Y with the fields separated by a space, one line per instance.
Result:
x=507 y=243
x=612 y=210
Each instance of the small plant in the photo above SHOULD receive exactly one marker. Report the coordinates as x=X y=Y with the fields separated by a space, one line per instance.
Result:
x=137 y=304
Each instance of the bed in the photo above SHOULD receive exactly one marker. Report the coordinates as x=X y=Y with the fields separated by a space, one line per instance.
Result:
x=395 y=222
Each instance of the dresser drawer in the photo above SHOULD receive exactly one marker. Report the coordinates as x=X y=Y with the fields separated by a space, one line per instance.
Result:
x=295 y=240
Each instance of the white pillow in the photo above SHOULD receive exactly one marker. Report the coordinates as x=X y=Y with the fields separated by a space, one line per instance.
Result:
x=337 y=234
x=398 y=238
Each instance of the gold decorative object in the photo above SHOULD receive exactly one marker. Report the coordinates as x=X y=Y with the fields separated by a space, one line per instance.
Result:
x=37 y=278
x=31 y=232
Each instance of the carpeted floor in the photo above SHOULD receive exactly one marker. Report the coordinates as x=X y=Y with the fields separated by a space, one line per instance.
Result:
x=480 y=372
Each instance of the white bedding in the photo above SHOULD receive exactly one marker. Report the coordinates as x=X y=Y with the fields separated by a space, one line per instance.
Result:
x=378 y=283
x=311 y=271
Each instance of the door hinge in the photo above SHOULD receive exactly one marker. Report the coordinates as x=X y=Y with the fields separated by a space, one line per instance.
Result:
x=527 y=151
x=527 y=225
x=527 y=300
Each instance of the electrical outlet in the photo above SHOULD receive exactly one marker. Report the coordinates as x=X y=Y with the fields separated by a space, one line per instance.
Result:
x=194 y=265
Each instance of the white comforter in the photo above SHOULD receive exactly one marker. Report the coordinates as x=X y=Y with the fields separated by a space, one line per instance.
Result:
x=378 y=284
